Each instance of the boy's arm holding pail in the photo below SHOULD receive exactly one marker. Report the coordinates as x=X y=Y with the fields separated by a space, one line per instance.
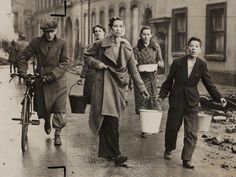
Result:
x=211 y=88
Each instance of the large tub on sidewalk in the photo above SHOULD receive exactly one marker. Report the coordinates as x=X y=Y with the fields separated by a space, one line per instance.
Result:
x=150 y=120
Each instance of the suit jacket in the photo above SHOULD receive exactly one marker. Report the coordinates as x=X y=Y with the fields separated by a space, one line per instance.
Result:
x=181 y=87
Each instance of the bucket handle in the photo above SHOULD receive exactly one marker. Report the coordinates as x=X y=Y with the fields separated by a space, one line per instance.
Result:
x=150 y=97
x=73 y=86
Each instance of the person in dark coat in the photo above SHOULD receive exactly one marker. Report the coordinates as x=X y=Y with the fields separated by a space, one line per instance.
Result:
x=13 y=53
x=112 y=58
x=22 y=43
x=181 y=82
x=52 y=62
x=88 y=73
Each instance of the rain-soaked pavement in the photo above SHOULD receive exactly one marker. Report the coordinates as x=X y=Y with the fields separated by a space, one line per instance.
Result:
x=79 y=150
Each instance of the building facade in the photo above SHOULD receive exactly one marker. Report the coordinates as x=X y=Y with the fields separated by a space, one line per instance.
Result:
x=17 y=7
x=214 y=21
x=173 y=22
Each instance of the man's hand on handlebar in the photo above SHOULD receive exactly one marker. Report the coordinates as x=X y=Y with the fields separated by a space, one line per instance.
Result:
x=23 y=74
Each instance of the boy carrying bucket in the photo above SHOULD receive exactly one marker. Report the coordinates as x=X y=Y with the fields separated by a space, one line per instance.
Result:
x=181 y=82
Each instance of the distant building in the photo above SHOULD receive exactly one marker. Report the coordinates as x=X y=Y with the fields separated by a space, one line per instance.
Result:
x=18 y=11
x=173 y=21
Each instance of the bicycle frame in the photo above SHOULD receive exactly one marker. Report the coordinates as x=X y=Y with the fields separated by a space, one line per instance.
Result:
x=27 y=109
x=29 y=95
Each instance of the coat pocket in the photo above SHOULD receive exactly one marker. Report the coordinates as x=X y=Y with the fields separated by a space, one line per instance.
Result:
x=121 y=77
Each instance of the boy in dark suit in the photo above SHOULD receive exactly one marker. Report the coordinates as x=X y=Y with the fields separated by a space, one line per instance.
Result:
x=181 y=82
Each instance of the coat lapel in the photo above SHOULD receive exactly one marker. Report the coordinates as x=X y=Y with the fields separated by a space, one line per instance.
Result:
x=43 y=47
x=184 y=68
x=194 y=70
x=108 y=52
x=53 y=49
x=110 y=55
x=124 y=51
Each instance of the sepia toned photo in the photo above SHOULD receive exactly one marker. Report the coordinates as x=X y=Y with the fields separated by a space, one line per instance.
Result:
x=118 y=88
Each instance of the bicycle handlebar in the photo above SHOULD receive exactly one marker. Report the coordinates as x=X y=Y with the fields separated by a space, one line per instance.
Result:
x=29 y=76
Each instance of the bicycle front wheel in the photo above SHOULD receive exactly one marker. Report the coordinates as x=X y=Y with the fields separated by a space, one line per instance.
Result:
x=25 y=122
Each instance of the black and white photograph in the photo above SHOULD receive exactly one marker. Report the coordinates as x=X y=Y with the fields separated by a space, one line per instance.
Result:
x=118 y=88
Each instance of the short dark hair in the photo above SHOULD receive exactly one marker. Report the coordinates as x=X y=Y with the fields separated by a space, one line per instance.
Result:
x=98 y=26
x=111 y=21
x=195 y=39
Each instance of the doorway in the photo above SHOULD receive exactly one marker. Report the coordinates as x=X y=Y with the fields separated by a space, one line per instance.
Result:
x=161 y=32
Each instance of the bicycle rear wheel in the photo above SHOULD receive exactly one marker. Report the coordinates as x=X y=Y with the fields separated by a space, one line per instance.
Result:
x=25 y=122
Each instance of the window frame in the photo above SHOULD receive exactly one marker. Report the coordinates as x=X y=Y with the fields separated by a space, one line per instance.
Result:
x=102 y=18
x=175 y=52
x=212 y=55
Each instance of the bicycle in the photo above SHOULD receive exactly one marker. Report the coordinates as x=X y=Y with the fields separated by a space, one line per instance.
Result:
x=27 y=108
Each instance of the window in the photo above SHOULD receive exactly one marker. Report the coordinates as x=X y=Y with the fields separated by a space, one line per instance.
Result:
x=93 y=23
x=93 y=19
x=111 y=13
x=179 y=30
x=216 y=31
x=50 y=4
x=85 y=29
x=134 y=21
x=122 y=13
x=102 y=18
x=44 y=4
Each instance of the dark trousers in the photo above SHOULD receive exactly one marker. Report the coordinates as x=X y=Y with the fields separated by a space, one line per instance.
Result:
x=12 y=66
x=174 y=122
x=109 y=138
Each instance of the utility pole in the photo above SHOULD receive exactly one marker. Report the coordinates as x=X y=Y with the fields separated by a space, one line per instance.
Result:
x=89 y=22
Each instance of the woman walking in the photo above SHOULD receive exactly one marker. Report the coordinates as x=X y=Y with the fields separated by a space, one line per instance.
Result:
x=112 y=58
x=147 y=52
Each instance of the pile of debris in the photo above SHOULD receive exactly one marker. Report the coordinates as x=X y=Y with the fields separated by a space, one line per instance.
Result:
x=228 y=122
x=221 y=139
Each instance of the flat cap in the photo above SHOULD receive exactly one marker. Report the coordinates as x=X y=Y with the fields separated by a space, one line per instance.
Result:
x=48 y=25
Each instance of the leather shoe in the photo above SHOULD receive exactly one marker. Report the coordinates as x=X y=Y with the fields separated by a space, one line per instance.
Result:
x=57 y=140
x=120 y=159
x=188 y=164
x=47 y=126
x=167 y=155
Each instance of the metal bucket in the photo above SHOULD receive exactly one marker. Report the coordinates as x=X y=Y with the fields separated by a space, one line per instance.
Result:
x=204 y=122
x=78 y=103
x=150 y=120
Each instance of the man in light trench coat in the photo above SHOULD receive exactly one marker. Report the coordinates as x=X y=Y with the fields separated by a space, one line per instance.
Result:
x=50 y=92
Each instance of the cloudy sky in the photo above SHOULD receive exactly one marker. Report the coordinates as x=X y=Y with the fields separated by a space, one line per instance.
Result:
x=6 y=20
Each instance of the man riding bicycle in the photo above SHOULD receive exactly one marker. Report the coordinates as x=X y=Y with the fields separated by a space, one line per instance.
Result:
x=50 y=92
